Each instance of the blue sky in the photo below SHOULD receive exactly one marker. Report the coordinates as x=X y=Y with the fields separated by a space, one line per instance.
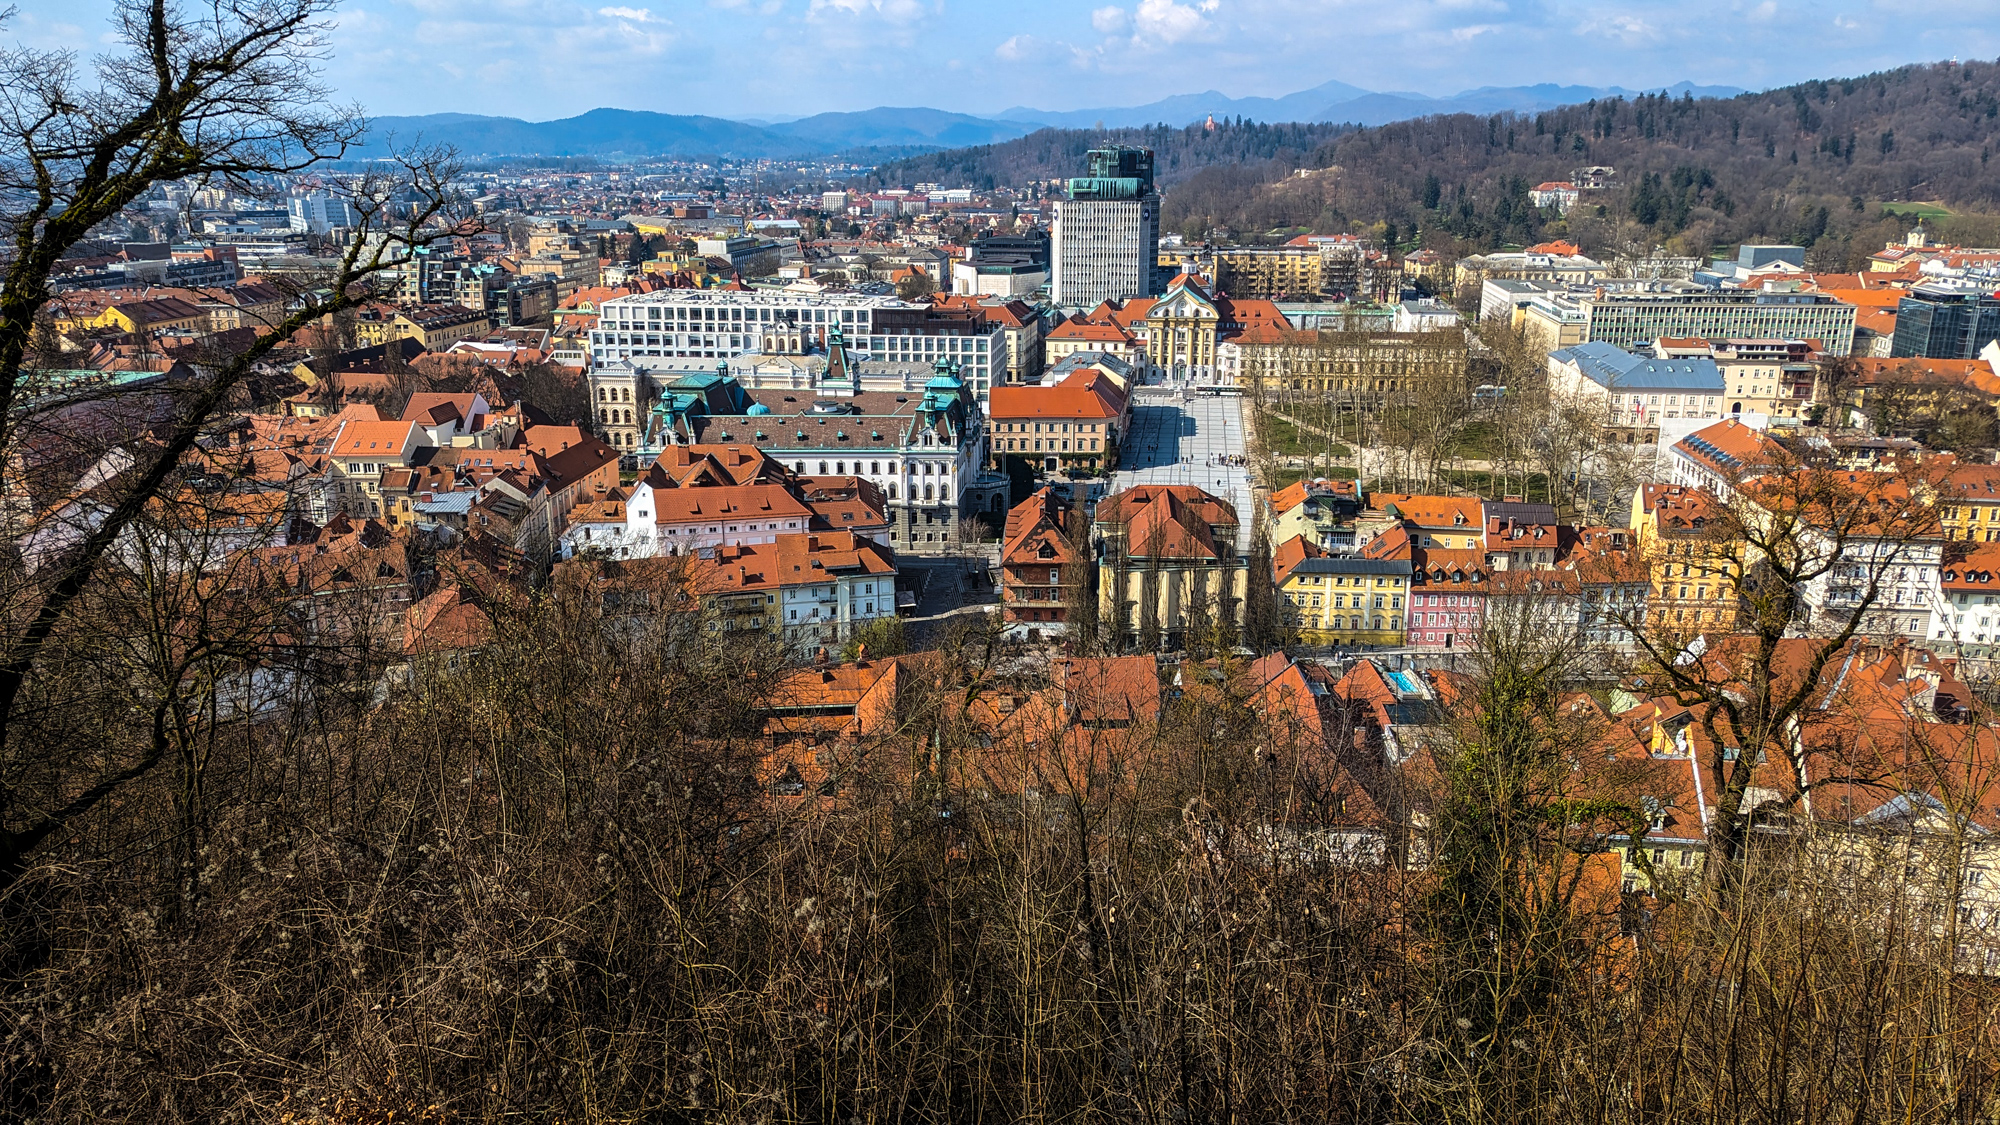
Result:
x=542 y=59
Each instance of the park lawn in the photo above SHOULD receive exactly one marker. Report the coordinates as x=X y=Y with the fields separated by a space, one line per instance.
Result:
x=1919 y=210
x=1276 y=479
x=1282 y=436
x=1475 y=439
x=1478 y=482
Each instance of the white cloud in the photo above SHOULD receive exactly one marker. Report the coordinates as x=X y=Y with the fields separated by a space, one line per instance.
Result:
x=635 y=15
x=1111 y=20
x=1627 y=28
x=894 y=11
x=1165 y=23
x=1016 y=47
x=1468 y=34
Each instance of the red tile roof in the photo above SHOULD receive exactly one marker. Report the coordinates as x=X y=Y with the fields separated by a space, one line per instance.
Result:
x=1086 y=395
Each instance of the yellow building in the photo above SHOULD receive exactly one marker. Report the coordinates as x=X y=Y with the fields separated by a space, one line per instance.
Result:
x=1271 y=271
x=150 y=317
x=1337 y=600
x=251 y=304
x=1169 y=571
x=1358 y=370
x=437 y=327
x=1551 y=325
x=1970 y=506
x=1692 y=562
x=1181 y=328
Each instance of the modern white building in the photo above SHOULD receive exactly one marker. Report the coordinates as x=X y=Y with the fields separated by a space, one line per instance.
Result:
x=1105 y=250
x=1106 y=236
x=684 y=331
x=319 y=213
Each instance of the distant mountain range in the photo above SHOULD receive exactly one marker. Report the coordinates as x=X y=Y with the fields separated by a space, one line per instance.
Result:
x=642 y=133
x=1338 y=101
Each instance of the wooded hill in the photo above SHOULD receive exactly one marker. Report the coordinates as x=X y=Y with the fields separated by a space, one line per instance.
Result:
x=1806 y=163
x=1051 y=154
x=1809 y=163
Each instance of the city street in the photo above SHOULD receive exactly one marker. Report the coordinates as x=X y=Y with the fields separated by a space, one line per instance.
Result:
x=1176 y=442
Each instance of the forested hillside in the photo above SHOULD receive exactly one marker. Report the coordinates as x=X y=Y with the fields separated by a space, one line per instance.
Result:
x=1049 y=154
x=1809 y=163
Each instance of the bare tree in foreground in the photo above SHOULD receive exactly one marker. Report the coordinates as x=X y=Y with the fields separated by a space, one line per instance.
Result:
x=228 y=95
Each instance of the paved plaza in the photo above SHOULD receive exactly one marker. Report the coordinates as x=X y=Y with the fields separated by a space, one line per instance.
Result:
x=1185 y=442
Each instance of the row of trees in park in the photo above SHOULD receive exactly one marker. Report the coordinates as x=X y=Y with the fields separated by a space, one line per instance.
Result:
x=261 y=862
x=1435 y=417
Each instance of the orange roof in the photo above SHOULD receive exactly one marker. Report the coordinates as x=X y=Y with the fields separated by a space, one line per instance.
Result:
x=1978 y=571
x=1112 y=688
x=1298 y=492
x=1124 y=315
x=1974 y=482
x=1565 y=249
x=1168 y=520
x=1882 y=322
x=1746 y=445
x=546 y=441
x=1037 y=531
x=793 y=560
x=1432 y=511
x=767 y=502
x=692 y=466
x=1677 y=506
x=380 y=438
x=445 y=621
x=1090 y=333
x=1874 y=368
x=1289 y=555
x=1094 y=398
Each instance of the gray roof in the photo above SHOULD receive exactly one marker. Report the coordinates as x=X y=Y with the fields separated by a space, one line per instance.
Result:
x=439 y=503
x=1077 y=361
x=1616 y=369
x=1341 y=564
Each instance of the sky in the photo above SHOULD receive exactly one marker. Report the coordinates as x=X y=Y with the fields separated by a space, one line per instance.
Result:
x=545 y=59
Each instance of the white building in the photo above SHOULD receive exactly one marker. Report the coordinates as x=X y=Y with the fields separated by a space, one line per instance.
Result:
x=1559 y=194
x=990 y=279
x=1968 y=610
x=319 y=213
x=1105 y=250
x=1899 y=566
x=1636 y=390
x=677 y=331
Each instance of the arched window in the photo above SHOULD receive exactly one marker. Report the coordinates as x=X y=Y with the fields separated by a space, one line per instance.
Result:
x=1378 y=623
x=892 y=490
x=822 y=468
x=929 y=493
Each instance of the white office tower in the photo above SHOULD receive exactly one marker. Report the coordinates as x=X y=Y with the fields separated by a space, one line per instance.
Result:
x=1107 y=233
x=1105 y=250
x=320 y=213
